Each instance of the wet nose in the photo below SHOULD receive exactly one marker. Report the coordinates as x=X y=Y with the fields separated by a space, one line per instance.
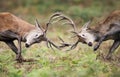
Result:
x=27 y=45
x=90 y=43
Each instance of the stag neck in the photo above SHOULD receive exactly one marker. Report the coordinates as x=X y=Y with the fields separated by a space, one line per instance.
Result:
x=96 y=34
x=24 y=37
x=97 y=37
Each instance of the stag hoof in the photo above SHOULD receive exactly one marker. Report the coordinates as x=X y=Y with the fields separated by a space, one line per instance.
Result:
x=19 y=59
x=29 y=60
x=109 y=57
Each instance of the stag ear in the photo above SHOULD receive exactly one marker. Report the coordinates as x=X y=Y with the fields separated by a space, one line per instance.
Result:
x=87 y=24
x=37 y=25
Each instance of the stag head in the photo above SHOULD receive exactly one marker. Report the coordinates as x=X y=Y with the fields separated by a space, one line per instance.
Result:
x=37 y=35
x=86 y=35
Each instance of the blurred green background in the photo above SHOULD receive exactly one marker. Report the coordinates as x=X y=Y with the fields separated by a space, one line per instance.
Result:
x=77 y=9
x=80 y=62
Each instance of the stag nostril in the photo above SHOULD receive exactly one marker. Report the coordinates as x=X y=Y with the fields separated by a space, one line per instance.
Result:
x=90 y=43
x=26 y=45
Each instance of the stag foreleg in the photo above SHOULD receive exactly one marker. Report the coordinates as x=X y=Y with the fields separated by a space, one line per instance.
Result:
x=114 y=31
x=113 y=48
x=8 y=37
x=15 y=49
x=100 y=41
x=12 y=46
x=19 y=56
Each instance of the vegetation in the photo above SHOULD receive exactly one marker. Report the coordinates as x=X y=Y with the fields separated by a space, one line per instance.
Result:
x=80 y=62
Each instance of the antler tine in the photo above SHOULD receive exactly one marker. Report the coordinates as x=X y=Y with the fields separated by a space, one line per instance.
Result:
x=70 y=22
x=54 y=16
x=61 y=39
x=50 y=44
x=63 y=43
x=73 y=46
x=37 y=23
x=63 y=17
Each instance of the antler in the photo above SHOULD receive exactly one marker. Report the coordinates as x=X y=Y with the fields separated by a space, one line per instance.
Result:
x=59 y=17
x=70 y=22
x=44 y=38
x=62 y=17
x=63 y=44
x=51 y=18
x=67 y=44
x=50 y=44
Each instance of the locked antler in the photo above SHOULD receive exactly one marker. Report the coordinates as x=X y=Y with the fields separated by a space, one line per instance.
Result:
x=62 y=17
x=59 y=17
x=49 y=42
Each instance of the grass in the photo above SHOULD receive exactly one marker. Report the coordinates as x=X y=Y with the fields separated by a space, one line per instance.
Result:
x=80 y=62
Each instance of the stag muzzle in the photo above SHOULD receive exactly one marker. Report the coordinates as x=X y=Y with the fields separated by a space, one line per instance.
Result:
x=90 y=44
x=27 y=45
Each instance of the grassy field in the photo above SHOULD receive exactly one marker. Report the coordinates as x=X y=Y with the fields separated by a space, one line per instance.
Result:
x=80 y=62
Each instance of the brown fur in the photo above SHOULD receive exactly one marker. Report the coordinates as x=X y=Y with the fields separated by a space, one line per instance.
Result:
x=9 y=21
x=104 y=26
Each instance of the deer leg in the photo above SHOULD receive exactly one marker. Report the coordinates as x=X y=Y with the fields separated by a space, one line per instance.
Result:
x=16 y=50
x=11 y=35
x=114 y=30
x=108 y=34
x=19 y=56
x=112 y=49
x=100 y=41
x=12 y=46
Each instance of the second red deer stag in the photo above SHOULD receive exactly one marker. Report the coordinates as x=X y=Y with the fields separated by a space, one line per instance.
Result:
x=106 y=30
x=13 y=28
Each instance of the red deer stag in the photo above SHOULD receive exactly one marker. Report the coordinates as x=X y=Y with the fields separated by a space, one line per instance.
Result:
x=108 y=29
x=13 y=28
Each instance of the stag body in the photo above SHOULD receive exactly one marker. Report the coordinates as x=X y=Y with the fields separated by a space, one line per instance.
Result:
x=13 y=28
x=106 y=30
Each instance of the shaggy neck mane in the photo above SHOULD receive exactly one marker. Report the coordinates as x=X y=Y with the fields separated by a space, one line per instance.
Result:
x=96 y=33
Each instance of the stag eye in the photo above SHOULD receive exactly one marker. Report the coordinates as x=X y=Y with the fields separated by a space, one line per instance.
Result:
x=83 y=35
x=36 y=35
